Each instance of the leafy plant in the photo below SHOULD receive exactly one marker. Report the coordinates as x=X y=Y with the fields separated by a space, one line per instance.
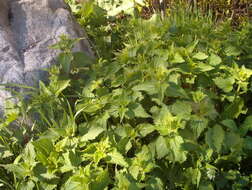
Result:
x=169 y=109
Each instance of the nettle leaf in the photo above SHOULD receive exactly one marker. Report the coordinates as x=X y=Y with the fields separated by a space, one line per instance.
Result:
x=65 y=60
x=246 y=126
x=101 y=181
x=226 y=84
x=215 y=137
x=176 y=152
x=174 y=90
x=177 y=58
x=214 y=60
x=204 y=67
x=233 y=110
x=145 y=129
x=181 y=108
x=191 y=47
x=116 y=158
x=17 y=169
x=200 y=56
x=165 y=122
x=29 y=153
x=29 y=185
x=161 y=147
x=92 y=133
x=44 y=145
x=59 y=86
x=154 y=183
x=232 y=51
x=198 y=124
x=149 y=87
x=248 y=143
x=232 y=140
x=138 y=110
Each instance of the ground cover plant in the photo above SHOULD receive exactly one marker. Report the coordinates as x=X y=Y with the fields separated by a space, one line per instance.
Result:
x=166 y=105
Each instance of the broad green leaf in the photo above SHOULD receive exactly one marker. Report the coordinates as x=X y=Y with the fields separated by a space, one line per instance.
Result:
x=65 y=60
x=215 y=137
x=138 y=110
x=92 y=133
x=125 y=181
x=204 y=67
x=176 y=152
x=29 y=153
x=248 y=143
x=232 y=140
x=226 y=84
x=44 y=145
x=232 y=51
x=174 y=90
x=60 y=85
x=117 y=158
x=206 y=186
x=145 y=129
x=154 y=183
x=149 y=87
x=230 y=124
x=177 y=58
x=161 y=147
x=200 y=56
x=101 y=181
x=246 y=126
x=198 y=125
x=182 y=108
x=17 y=169
x=29 y=185
x=191 y=47
x=214 y=60
x=233 y=110
x=166 y=123
x=80 y=59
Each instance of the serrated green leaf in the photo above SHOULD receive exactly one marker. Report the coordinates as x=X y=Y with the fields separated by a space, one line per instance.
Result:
x=232 y=140
x=232 y=51
x=181 y=108
x=177 y=58
x=29 y=185
x=161 y=147
x=92 y=133
x=101 y=181
x=60 y=85
x=226 y=84
x=117 y=158
x=174 y=90
x=246 y=126
x=248 y=143
x=138 y=110
x=145 y=129
x=214 y=60
x=215 y=137
x=176 y=152
x=149 y=87
x=198 y=125
x=65 y=60
x=200 y=56
x=204 y=67
x=233 y=110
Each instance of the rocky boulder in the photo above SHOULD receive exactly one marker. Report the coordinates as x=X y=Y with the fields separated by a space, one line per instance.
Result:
x=27 y=29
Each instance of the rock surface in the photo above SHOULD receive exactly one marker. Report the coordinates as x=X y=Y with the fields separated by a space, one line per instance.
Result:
x=27 y=29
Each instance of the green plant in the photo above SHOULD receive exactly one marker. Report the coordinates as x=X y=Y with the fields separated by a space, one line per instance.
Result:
x=170 y=109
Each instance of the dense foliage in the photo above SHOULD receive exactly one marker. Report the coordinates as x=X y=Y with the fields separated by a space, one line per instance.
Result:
x=166 y=105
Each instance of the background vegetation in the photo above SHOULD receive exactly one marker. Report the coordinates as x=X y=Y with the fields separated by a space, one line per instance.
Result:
x=166 y=104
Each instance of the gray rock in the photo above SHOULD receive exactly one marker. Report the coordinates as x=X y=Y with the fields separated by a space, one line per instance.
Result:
x=27 y=29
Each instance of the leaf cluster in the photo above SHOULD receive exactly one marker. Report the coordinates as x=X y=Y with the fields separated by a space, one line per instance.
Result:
x=171 y=110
